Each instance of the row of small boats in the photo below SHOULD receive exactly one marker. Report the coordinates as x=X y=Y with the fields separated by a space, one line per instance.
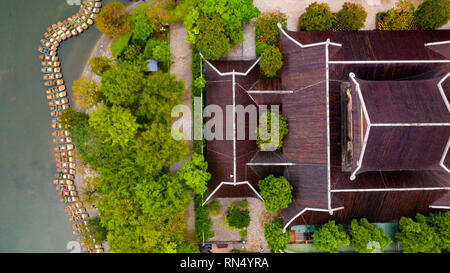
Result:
x=58 y=101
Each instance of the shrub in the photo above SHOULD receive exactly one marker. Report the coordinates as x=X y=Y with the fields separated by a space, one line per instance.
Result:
x=426 y=234
x=112 y=19
x=119 y=45
x=276 y=239
x=243 y=233
x=329 y=237
x=132 y=54
x=86 y=93
x=401 y=17
x=363 y=233
x=243 y=204
x=266 y=29
x=276 y=192
x=432 y=14
x=264 y=131
x=317 y=17
x=195 y=173
x=202 y=222
x=163 y=49
x=99 y=65
x=271 y=61
x=237 y=218
x=214 y=208
x=212 y=40
x=351 y=17
x=140 y=27
x=161 y=53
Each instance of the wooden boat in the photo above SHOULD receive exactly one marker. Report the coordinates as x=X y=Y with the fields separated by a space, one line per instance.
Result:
x=58 y=32
x=48 y=58
x=64 y=29
x=86 y=19
x=77 y=18
x=70 y=27
x=61 y=133
x=55 y=114
x=94 y=4
x=48 y=44
x=55 y=89
x=52 y=76
x=70 y=199
x=50 y=69
x=61 y=101
x=46 y=51
x=75 y=25
x=59 y=95
x=50 y=63
x=51 y=39
x=54 y=82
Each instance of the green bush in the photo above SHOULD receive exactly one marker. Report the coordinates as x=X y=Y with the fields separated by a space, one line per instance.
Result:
x=363 y=233
x=214 y=208
x=401 y=17
x=265 y=136
x=217 y=24
x=140 y=28
x=329 y=237
x=237 y=218
x=266 y=29
x=271 y=61
x=276 y=192
x=161 y=53
x=243 y=233
x=202 y=222
x=151 y=45
x=425 y=235
x=317 y=17
x=351 y=17
x=212 y=40
x=432 y=14
x=243 y=204
x=119 y=45
x=276 y=239
x=133 y=54
x=99 y=65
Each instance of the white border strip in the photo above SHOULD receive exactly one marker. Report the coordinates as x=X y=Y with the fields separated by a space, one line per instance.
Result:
x=271 y=164
x=366 y=136
x=439 y=207
x=390 y=189
x=306 y=45
x=232 y=184
x=444 y=154
x=408 y=124
x=270 y=91
x=390 y=62
x=309 y=209
x=437 y=43
x=441 y=90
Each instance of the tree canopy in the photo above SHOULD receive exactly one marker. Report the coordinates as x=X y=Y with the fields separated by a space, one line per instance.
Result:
x=365 y=237
x=329 y=237
x=195 y=173
x=276 y=192
x=112 y=19
x=86 y=93
x=276 y=239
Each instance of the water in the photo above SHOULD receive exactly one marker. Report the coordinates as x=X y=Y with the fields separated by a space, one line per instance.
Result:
x=31 y=217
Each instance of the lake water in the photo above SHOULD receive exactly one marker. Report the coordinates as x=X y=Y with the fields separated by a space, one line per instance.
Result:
x=31 y=217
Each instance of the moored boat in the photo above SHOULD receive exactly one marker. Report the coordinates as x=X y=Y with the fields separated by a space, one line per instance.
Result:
x=50 y=63
x=54 y=83
x=48 y=58
x=50 y=69
x=52 y=76
x=46 y=51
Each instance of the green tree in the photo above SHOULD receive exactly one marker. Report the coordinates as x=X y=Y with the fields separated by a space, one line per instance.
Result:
x=112 y=19
x=329 y=237
x=99 y=65
x=160 y=94
x=119 y=45
x=237 y=218
x=195 y=173
x=415 y=237
x=317 y=17
x=440 y=222
x=276 y=192
x=71 y=117
x=115 y=123
x=140 y=26
x=122 y=84
x=86 y=93
x=266 y=29
x=432 y=14
x=133 y=55
x=271 y=61
x=212 y=40
x=265 y=132
x=158 y=138
x=401 y=17
x=214 y=208
x=363 y=233
x=202 y=222
x=351 y=17
x=275 y=237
